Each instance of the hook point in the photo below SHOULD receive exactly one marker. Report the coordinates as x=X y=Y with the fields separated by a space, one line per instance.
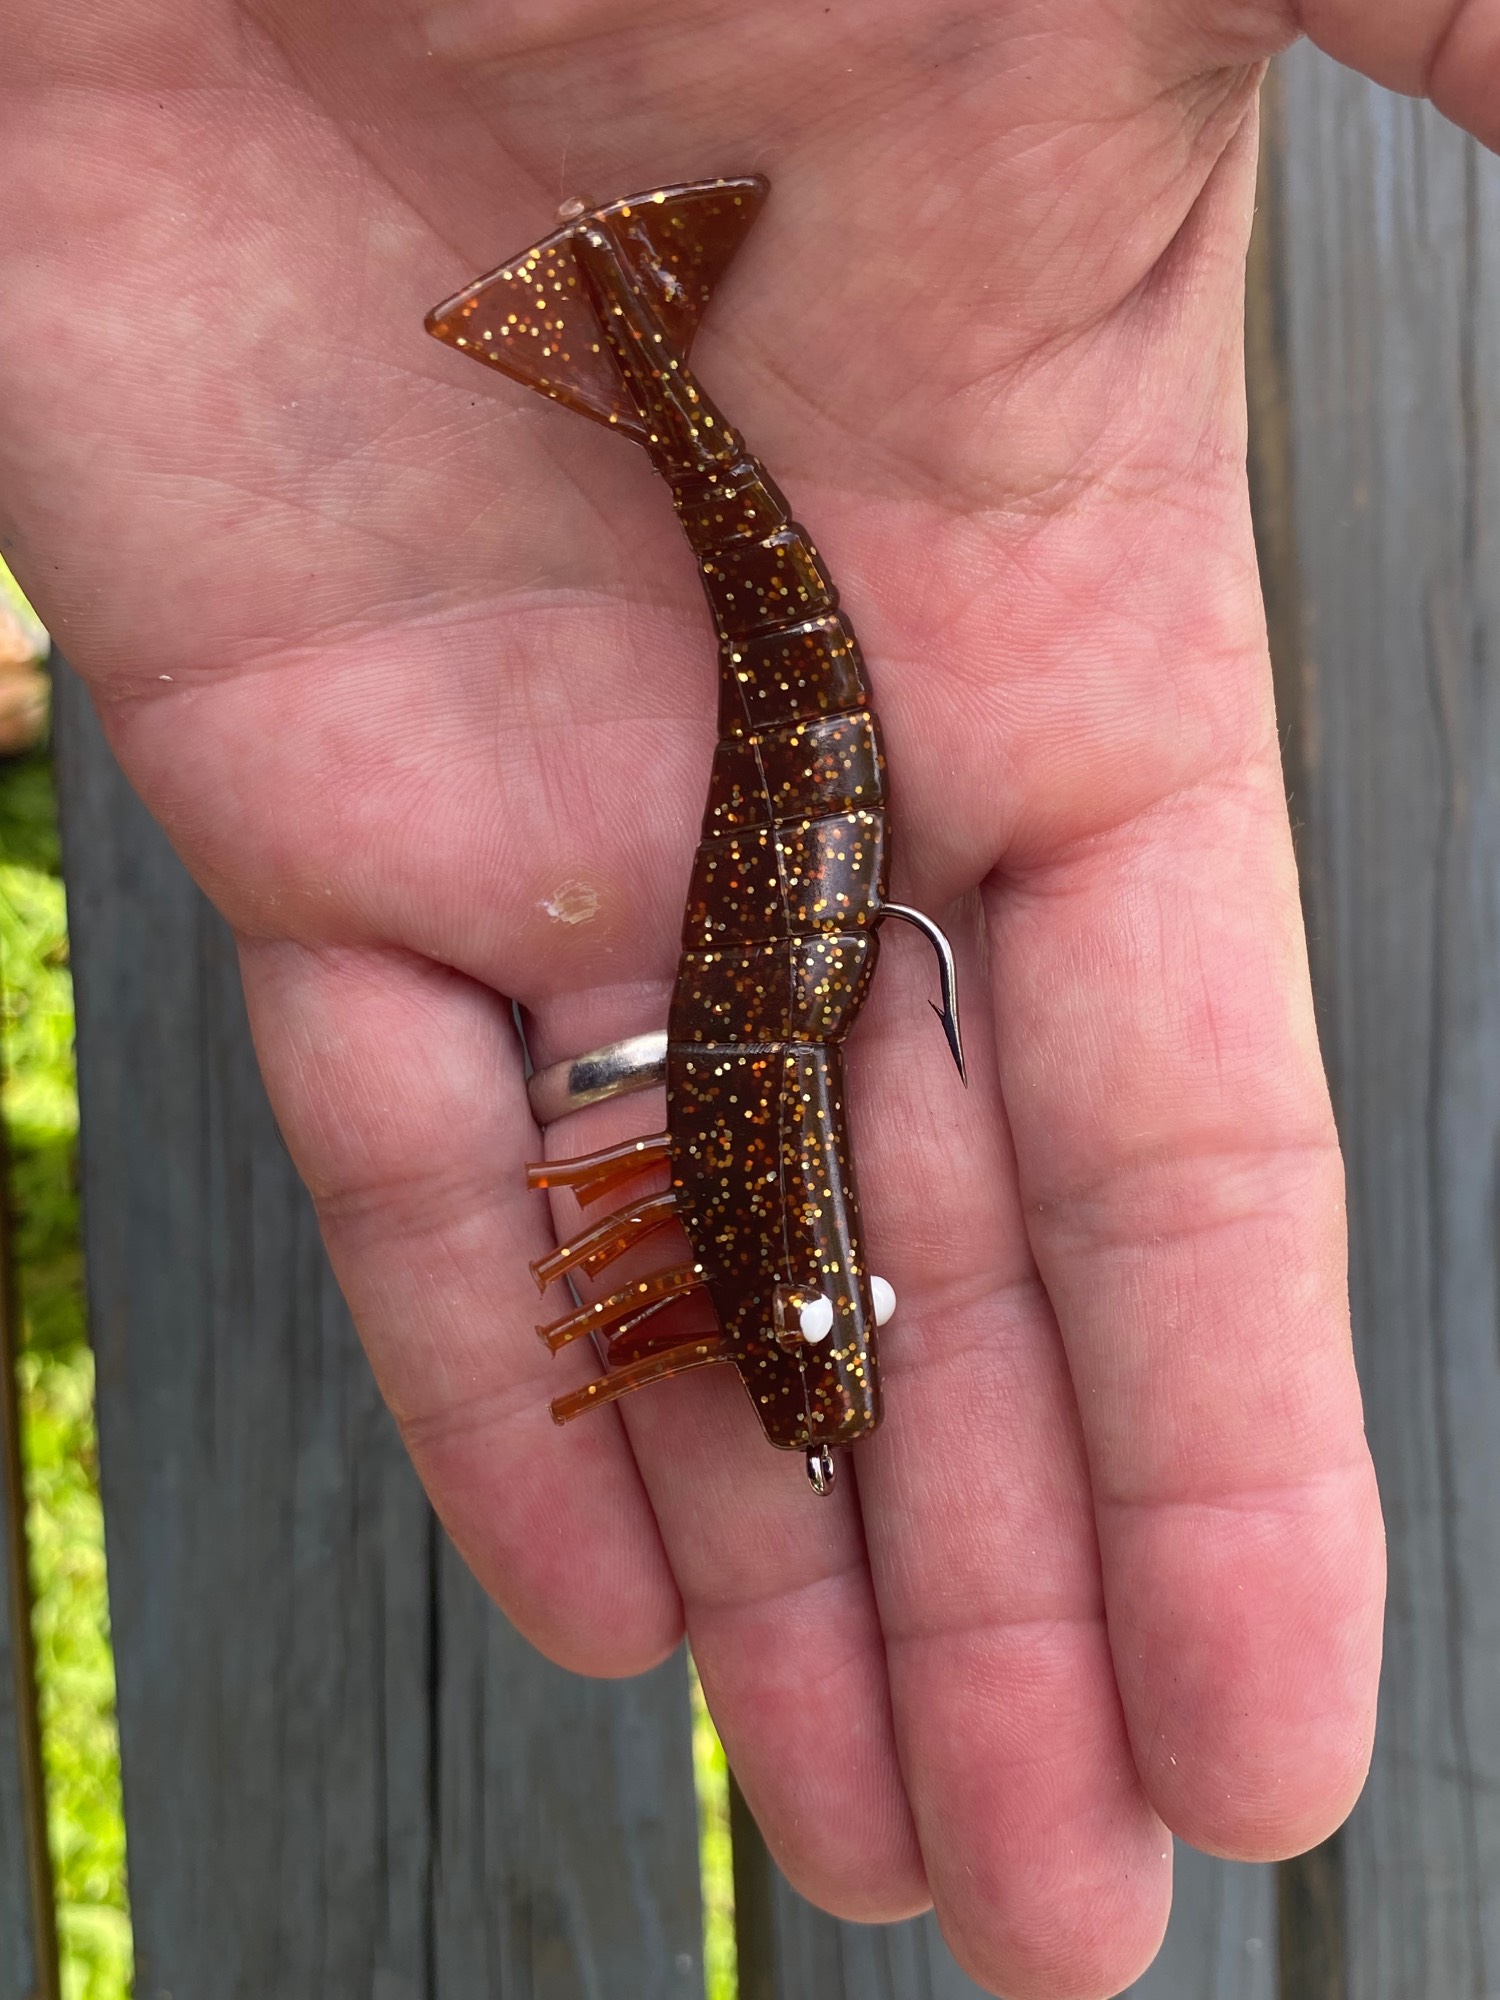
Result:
x=947 y=977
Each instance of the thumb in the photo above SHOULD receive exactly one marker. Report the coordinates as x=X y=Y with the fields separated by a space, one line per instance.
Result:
x=1447 y=50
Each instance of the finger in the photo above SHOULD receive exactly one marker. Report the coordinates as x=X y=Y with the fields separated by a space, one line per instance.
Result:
x=1184 y=1197
x=774 y=1581
x=1428 y=48
x=1050 y=1871
x=398 y=1086
x=1425 y=48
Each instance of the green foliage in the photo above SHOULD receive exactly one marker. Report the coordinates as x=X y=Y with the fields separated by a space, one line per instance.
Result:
x=715 y=1854
x=65 y=1523
x=76 y=1673
x=36 y=1024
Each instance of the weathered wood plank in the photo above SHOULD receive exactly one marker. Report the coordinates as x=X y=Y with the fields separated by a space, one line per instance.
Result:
x=791 y=1951
x=17 y=1946
x=17 y=1952
x=1220 y=1944
x=1310 y=1924
x=342 y=1775
x=28 y=1932
x=568 y=1862
x=1390 y=275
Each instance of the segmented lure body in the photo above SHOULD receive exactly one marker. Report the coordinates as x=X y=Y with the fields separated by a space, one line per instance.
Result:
x=789 y=882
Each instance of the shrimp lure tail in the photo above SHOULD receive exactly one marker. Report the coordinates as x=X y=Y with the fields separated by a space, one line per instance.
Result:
x=535 y=318
x=789 y=885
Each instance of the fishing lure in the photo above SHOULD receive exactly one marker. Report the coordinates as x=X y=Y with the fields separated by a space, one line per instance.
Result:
x=789 y=884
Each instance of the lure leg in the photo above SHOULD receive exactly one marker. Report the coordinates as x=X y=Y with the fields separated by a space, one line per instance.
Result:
x=600 y=1246
x=593 y=1175
x=620 y=1381
x=623 y=1309
x=947 y=975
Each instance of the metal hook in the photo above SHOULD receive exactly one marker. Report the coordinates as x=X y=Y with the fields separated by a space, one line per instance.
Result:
x=947 y=974
x=820 y=1470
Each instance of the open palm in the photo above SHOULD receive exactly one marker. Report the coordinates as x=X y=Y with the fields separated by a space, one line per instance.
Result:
x=415 y=671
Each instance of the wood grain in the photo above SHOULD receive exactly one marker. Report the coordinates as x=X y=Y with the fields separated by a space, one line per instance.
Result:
x=343 y=1775
x=1389 y=268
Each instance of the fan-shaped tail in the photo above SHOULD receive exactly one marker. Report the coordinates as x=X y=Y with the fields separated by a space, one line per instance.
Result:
x=534 y=318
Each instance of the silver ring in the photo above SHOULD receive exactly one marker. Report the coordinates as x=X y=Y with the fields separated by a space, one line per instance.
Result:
x=618 y=1068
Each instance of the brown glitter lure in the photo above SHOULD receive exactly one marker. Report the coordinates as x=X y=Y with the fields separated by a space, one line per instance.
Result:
x=789 y=884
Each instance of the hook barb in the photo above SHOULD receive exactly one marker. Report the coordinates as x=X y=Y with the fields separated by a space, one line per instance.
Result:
x=947 y=975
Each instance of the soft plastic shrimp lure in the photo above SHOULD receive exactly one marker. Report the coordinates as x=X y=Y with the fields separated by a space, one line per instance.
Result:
x=789 y=884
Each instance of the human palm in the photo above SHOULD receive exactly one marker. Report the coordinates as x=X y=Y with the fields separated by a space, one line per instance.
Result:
x=415 y=671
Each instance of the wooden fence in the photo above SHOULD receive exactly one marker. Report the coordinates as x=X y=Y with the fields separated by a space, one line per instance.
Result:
x=346 y=1778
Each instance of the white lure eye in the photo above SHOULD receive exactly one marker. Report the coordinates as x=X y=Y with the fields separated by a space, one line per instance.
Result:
x=883 y=1295
x=816 y=1320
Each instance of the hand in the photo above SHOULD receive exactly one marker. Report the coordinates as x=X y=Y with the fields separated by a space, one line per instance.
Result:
x=415 y=672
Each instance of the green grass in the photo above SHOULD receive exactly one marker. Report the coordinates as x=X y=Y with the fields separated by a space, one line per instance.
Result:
x=80 y=1745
